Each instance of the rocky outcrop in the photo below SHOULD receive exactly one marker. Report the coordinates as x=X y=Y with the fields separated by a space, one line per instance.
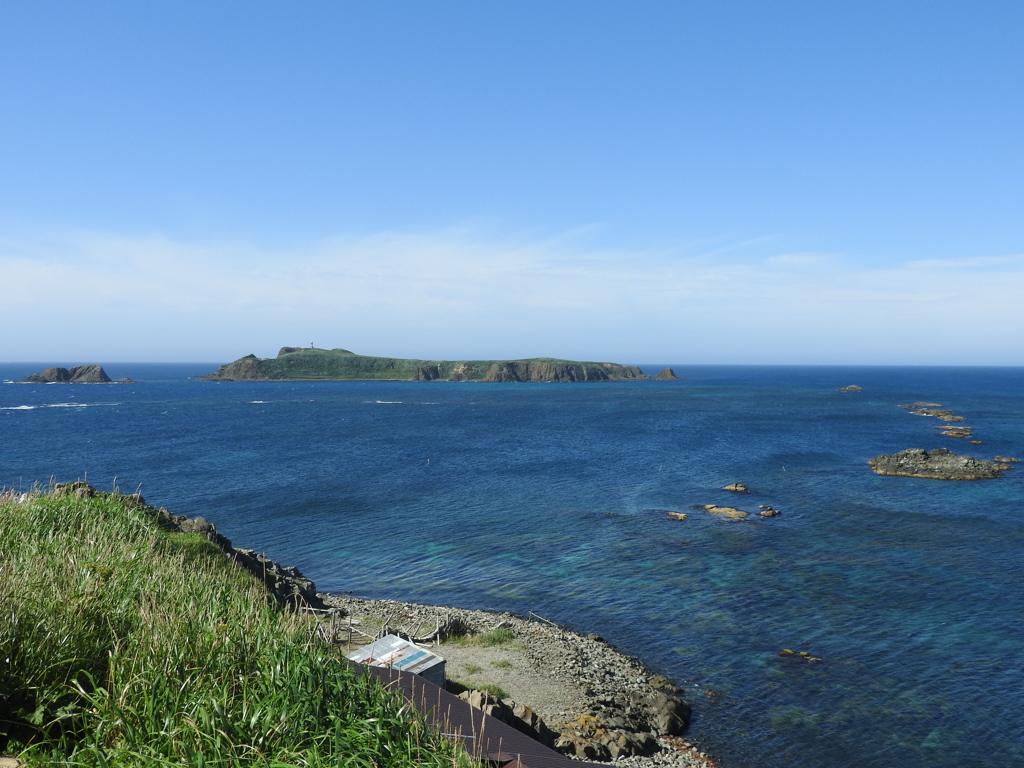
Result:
x=731 y=512
x=248 y=368
x=851 y=388
x=938 y=464
x=427 y=373
x=932 y=409
x=287 y=585
x=80 y=374
x=736 y=488
x=666 y=374
x=519 y=716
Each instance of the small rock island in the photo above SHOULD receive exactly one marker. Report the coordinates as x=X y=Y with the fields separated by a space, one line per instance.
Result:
x=310 y=364
x=937 y=464
x=80 y=374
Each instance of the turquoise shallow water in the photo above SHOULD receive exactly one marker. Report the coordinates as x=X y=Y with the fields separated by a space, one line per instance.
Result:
x=550 y=498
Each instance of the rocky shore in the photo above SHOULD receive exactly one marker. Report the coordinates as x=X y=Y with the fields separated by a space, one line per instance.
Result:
x=579 y=694
x=575 y=693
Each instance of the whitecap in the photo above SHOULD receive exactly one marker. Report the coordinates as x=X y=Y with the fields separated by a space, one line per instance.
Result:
x=76 y=405
x=18 y=407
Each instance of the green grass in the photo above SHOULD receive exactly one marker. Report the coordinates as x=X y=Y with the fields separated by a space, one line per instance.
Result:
x=495 y=690
x=499 y=636
x=125 y=645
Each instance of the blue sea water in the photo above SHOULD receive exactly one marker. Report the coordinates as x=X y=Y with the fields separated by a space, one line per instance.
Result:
x=551 y=499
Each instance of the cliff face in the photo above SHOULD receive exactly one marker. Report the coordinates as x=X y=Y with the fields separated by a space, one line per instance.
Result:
x=525 y=370
x=294 y=363
x=80 y=374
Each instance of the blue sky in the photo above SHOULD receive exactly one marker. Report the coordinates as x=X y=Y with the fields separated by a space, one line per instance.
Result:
x=684 y=182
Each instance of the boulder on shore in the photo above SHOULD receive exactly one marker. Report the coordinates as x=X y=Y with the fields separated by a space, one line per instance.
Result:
x=938 y=464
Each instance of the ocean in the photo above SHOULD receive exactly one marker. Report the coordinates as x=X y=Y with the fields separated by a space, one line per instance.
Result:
x=552 y=499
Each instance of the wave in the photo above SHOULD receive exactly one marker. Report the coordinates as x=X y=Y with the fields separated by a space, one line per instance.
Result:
x=53 y=405
x=76 y=405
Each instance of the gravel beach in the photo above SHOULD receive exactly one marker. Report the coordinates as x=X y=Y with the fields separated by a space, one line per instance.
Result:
x=566 y=678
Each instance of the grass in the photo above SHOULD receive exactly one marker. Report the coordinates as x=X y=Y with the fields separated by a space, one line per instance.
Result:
x=495 y=690
x=499 y=636
x=126 y=645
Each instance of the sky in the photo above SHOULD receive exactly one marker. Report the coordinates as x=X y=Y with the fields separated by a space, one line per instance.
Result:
x=703 y=182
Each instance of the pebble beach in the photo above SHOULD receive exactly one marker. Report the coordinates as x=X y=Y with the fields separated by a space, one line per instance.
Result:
x=563 y=676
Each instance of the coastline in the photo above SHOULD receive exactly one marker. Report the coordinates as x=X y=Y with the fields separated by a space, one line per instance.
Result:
x=571 y=681
x=602 y=705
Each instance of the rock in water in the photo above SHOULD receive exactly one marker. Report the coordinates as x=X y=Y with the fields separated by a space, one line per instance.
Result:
x=61 y=375
x=730 y=512
x=938 y=464
x=80 y=374
x=89 y=374
x=737 y=487
x=666 y=374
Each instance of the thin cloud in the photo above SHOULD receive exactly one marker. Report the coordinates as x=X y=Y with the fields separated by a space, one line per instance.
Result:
x=455 y=293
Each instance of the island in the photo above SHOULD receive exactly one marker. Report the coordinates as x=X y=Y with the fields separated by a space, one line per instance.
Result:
x=311 y=364
x=80 y=374
x=937 y=464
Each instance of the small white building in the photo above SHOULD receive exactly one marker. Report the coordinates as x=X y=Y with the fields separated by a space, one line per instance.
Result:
x=392 y=652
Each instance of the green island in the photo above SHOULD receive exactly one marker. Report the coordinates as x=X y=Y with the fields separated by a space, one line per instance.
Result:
x=127 y=643
x=310 y=364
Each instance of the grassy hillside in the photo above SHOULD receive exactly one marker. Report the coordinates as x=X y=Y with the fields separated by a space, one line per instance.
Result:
x=125 y=645
x=340 y=364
